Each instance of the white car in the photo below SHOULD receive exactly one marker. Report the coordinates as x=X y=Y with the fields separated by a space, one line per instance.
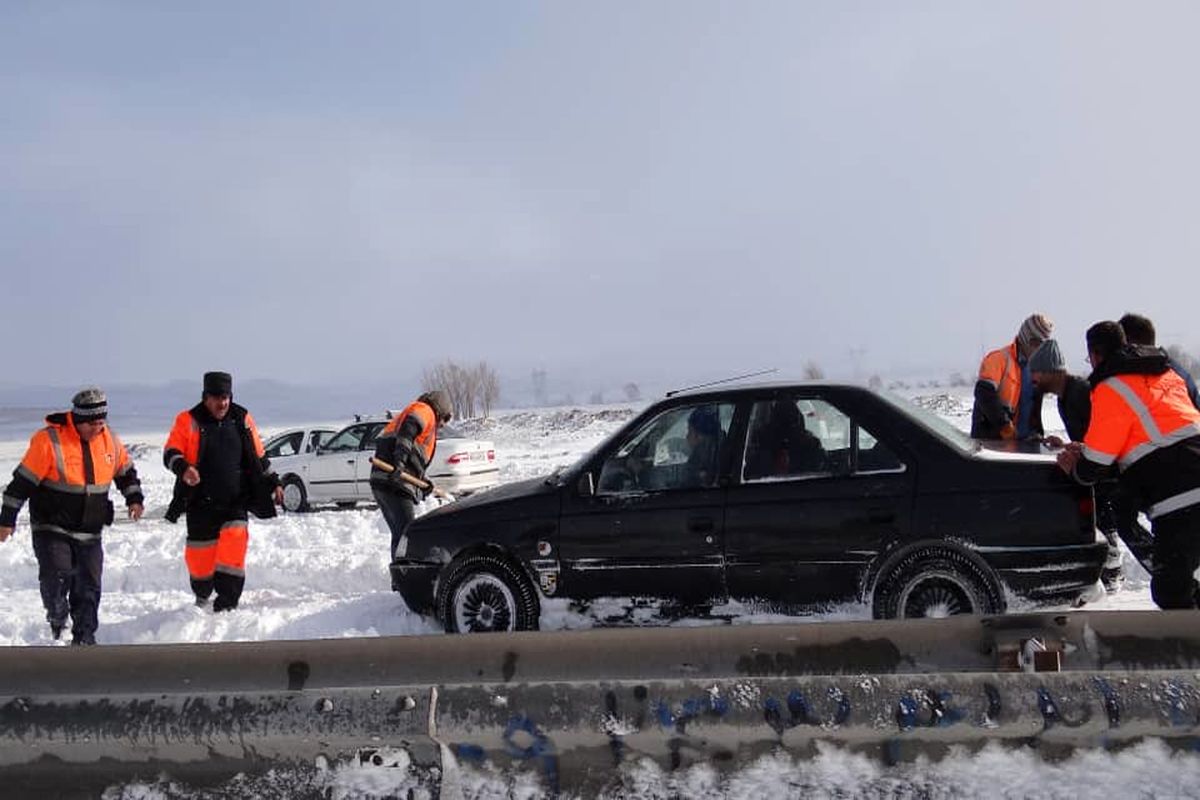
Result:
x=286 y=446
x=339 y=470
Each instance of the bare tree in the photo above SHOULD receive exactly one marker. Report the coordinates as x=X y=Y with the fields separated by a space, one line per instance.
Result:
x=489 y=387
x=596 y=397
x=470 y=388
x=813 y=371
x=632 y=392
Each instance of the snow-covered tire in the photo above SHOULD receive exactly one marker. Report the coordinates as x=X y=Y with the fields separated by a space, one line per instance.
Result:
x=295 y=498
x=485 y=592
x=936 y=582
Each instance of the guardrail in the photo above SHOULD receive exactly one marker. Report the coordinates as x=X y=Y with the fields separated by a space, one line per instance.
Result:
x=574 y=707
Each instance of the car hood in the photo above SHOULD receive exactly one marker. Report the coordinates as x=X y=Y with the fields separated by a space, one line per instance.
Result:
x=504 y=501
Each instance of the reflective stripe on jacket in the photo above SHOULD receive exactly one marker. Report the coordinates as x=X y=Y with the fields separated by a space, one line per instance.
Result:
x=407 y=442
x=67 y=480
x=1148 y=426
x=183 y=449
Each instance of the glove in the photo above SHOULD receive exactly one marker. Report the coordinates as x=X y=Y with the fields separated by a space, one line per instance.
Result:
x=429 y=491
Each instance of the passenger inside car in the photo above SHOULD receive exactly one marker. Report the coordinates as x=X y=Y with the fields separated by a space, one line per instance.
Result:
x=781 y=444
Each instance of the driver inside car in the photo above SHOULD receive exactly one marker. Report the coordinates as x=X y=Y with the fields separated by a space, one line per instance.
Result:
x=703 y=439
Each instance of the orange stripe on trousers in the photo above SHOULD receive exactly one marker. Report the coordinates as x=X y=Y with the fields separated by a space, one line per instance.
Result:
x=201 y=558
x=231 y=547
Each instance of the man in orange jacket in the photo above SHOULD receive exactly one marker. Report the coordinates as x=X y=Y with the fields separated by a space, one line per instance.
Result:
x=65 y=475
x=1144 y=424
x=1007 y=404
x=407 y=442
x=221 y=474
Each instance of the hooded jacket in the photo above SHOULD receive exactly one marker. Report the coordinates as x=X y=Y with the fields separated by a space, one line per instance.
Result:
x=1144 y=424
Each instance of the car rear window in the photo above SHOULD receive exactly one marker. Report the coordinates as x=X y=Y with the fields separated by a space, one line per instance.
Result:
x=942 y=428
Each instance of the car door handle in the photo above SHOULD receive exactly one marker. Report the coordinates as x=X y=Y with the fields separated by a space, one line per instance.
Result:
x=351 y=461
x=700 y=525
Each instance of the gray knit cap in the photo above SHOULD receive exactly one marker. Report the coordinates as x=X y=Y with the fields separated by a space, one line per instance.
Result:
x=89 y=405
x=1048 y=358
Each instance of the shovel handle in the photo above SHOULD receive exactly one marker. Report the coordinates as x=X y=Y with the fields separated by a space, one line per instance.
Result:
x=404 y=476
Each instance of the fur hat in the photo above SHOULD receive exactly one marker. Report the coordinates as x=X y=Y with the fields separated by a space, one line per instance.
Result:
x=1048 y=358
x=218 y=383
x=439 y=401
x=89 y=405
x=1034 y=330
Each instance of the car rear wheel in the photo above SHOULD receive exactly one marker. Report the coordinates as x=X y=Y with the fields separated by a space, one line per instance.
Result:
x=485 y=593
x=935 y=582
x=294 y=496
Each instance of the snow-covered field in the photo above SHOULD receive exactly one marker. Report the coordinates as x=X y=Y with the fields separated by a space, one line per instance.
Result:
x=323 y=574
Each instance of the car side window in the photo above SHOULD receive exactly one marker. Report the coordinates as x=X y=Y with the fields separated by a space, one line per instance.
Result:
x=348 y=439
x=677 y=449
x=795 y=437
x=317 y=439
x=285 y=446
x=372 y=434
x=874 y=455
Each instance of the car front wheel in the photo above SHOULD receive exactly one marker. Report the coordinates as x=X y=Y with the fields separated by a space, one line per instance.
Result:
x=935 y=582
x=484 y=593
x=294 y=496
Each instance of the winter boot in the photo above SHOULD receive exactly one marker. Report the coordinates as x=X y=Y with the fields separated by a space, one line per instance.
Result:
x=56 y=629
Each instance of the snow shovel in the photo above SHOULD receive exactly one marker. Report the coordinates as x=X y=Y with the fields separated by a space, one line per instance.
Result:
x=412 y=479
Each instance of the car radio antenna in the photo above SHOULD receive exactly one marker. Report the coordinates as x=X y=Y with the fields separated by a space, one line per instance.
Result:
x=723 y=380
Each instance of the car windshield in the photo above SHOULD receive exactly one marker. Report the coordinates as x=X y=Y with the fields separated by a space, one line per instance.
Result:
x=944 y=429
x=446 y=432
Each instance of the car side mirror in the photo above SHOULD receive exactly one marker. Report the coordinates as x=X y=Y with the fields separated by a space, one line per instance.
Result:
x=586 y=486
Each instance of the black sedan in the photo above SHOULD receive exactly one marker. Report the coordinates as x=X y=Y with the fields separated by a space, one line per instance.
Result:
x=796 y=495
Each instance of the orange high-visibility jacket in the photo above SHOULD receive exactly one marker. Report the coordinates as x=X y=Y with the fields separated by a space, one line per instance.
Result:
x=187 y=440
x=407 y=442
x=1000 y=370
x=1148 y=426
x=67 y=480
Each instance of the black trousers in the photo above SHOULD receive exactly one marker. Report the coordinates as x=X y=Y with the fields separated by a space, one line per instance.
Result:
x=1117 y=515
x=69 y=573
x=1176 y=558
x=398 y=511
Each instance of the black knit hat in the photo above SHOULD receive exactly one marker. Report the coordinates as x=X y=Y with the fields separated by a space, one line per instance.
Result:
x=89 y=405
x=218 y=383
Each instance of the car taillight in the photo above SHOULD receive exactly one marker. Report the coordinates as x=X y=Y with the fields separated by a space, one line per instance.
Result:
x=491 y=455
x=456 y=458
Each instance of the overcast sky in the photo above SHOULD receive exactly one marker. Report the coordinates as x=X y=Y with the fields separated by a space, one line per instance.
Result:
x=328 y=192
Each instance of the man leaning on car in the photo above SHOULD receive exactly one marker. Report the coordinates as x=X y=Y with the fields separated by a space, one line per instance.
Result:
x=407 y=443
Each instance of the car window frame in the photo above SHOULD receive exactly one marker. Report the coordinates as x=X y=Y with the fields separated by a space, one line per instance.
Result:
x=747 y=405
x=279 y=439
x=630 y=433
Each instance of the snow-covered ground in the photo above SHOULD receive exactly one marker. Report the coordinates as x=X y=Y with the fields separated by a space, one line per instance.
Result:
x=322 y=574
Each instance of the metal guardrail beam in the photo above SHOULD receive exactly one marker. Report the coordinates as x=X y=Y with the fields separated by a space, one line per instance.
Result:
x=575 y=706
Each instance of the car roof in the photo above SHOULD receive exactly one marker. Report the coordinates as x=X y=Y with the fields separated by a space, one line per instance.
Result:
x=726 y=389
